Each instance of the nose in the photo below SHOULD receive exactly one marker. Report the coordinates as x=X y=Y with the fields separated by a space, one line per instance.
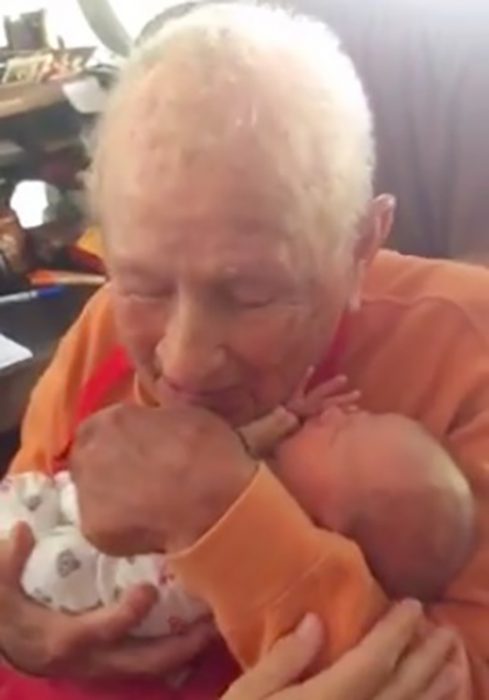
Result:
x=191 y=352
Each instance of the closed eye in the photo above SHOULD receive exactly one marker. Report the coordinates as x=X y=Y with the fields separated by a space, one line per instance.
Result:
x=249 y=296
x=156 y=293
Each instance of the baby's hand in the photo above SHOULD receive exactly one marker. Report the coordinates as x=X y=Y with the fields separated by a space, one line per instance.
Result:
x=334 y=393
x=263 y=435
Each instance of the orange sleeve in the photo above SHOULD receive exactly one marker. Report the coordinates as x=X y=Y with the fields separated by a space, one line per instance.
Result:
x=48 y=421
x=264 y=565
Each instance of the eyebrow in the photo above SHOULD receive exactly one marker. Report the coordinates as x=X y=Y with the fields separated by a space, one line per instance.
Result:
x=250 y=273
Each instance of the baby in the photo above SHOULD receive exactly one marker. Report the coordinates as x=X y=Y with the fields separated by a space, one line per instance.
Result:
x=66 y=573
x=380 y=480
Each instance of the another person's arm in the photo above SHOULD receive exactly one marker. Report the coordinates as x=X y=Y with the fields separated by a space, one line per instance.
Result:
x=393 y=662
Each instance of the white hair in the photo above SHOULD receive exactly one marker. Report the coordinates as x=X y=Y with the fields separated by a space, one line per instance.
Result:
x=294 y=90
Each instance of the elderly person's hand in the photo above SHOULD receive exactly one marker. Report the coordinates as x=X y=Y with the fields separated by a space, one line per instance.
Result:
x=393 y=662
x=155 y=479
x=93 y=645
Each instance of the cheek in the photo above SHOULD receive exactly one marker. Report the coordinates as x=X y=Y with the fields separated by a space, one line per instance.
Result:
x=274 y=351
x=288 y=334
x=140 y=327
x=262 y=339
x=277 y=347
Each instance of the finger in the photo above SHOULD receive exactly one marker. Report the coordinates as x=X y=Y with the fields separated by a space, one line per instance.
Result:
x=287 y=660
x=346 y=402
x=330 y=388
x=364 y=670
x=113 y=622
x=342 y=400
x=308 y=403
x=157 y=656
x=390 y=637
x=20 y=545
x=351 y=397
x=313 y=405
x=445 y=685
x=262 y=435
x=346 y=406
x=420 y=666
x=299 y=392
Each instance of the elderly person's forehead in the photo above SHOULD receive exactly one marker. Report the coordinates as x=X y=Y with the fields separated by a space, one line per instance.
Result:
x=236 y=63
x=249 y=89
x=232 y=60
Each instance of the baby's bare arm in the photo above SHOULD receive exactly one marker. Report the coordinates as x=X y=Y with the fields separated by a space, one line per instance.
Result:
x=262 y=436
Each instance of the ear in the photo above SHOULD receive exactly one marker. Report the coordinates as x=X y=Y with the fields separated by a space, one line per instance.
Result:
x=373 y=232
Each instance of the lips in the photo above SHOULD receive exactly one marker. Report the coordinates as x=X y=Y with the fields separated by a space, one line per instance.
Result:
x=220 y=401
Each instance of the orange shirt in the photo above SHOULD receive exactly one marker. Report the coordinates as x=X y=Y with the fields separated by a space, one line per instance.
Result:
x=420 y=347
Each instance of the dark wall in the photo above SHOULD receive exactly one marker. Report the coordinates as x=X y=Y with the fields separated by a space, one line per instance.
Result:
x=425 y=64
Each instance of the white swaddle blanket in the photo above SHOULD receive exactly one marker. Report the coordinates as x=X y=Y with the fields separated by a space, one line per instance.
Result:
x=64 y=571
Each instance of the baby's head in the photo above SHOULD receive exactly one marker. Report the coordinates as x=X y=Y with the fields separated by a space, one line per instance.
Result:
x=385 y=482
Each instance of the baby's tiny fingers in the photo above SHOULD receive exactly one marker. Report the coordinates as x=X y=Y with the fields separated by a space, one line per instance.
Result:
x=328 y=389
x=352 y=397
x=323 y=404
x=307 y=405
x=302 y=388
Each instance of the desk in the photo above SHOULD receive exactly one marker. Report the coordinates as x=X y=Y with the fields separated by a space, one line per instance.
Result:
x=39 y=325
x=19 y=99
x=36 y=123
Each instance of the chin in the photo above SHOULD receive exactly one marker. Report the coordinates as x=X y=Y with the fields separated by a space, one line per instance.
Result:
x=243 y=413
x=236 y=407
x=235 y=412
x=233 y=407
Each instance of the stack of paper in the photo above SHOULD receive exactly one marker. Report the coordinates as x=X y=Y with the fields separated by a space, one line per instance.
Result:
x=11 y=352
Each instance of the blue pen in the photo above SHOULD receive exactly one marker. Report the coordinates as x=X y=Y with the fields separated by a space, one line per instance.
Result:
x=41 y=293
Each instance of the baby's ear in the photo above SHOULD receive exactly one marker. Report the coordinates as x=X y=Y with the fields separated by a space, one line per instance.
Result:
x=263 y=435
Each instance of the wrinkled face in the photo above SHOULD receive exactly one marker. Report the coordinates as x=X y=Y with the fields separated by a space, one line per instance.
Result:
x=218 y=299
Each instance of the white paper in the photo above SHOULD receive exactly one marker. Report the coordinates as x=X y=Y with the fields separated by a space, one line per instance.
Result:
x=85 y=95
x=11 y=352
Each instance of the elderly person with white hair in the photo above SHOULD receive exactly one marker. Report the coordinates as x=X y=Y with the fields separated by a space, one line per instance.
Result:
x=233 y=185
